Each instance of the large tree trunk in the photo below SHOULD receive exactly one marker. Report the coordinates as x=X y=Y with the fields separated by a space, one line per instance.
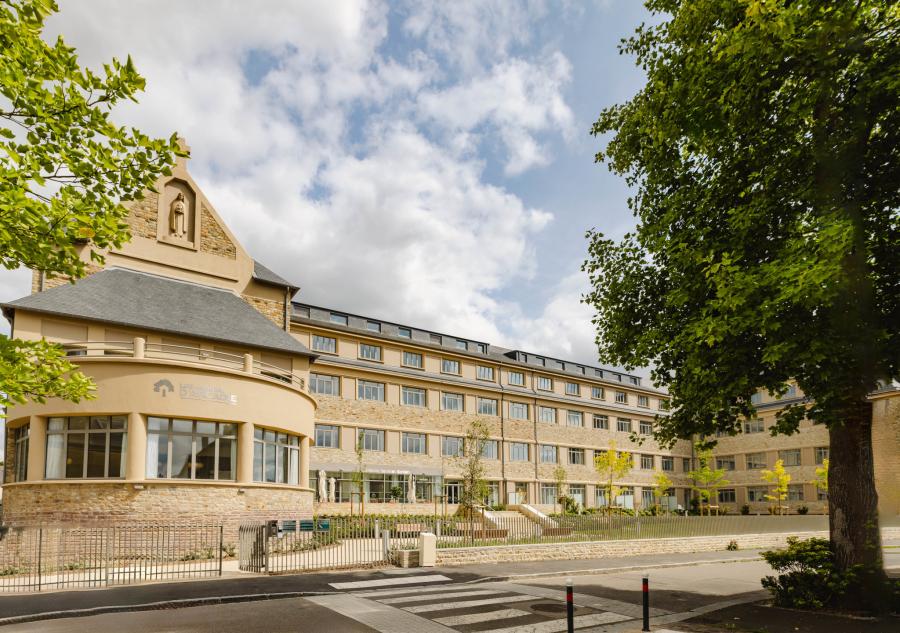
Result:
x=853 y=506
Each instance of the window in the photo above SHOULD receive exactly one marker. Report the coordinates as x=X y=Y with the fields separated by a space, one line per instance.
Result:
x=518 y=410
x=449 y=366
x=727 y=495
x=489 y=449
x=663 y=404
x=547 y=414
x=370 y=352
x=276 y=457
x=451 y=401
x=327 y=436
x=324 y=344
x=791 y=392
x=647 y=462
x=548 y=454
x=821 y=454
x=412 y=359
x=325 y=385
x=404 y=332
x=573 y=389
x=83 y=447
x=757 y=494
x=790 y=457
x=20 y=465
x=576 y=491
x=821 y=495
x=485 y=373
x=754 y=426
x=373 y=326
x=413 y=443
x=482 y=348
x=518 y=452
x=435 y=338
x=544 y=383
x=597 y=393
x=452 y=446
x=574 y=418
x=756 y=461
x=517 y=378
x=367 y=390
x=647 y=498
x=795 y=493
x=371 y=439
x=548 y=494
x=623 y=425
x=188 y=449
x=725 y=462
x=686 y=464
x=412 y=396
x=487 y=406
x=340 y=319
x=756 y=398
x=645 y=428
x=621 y=397
x=644 y=401
x=634 y=380
x=601 y=422
x=576 y=456
x=461 y=344
x=667 y=463
x=600 y=497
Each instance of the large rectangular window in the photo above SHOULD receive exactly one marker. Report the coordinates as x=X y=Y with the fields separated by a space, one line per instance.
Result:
x=725 y=462
x=623 y=425
x=756 y=461
x=621 y=397
x=644 y=401
x=518 y=452
x=370 y=352
x=518 y=410
x=544 y=383
x=517 y=378
x=574 y=418
x=449 y=366
x=795 y=492
x=727 y=495
x=190 y=449
x=549 y=454
x=791 y=457
x=412 y=396
x=576 y=456
x=489 y=449
x=327 y=436
x=821 y=454
x=83 y=447
x=324 y=385
x=368 y=390
x=601 y=422
x=413 y=443
x=452 y=446
x=548 y=494
x=371 y=439
x=276 y=457
x=667 y=463
x=757 y=494
x=547 y=414
x=647 y=462
x=754 y=426
x=413 y=359
x=20 y=440
x=324 y=344
x=646 y=428
x=597 y=393
x=487 y=406
x=485 y=373
x=573 y=389
x=451 y=401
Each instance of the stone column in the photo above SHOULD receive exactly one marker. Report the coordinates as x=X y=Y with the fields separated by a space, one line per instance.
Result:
x=136 y=446
x=37 y=448
x=304 y=462
x=245 y=453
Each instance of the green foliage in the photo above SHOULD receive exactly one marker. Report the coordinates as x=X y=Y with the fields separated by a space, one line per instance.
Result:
x=707 y=480
x=568 y=505
x=662 y=484
x=65 y=169
x=808 y=578
x=745 y=509
x=612 y=465
x=802 y=510
x=358 y=476
x=471 y=463
x=396 y=492
x=732 y=546
x=779 y=479
x=821 y=480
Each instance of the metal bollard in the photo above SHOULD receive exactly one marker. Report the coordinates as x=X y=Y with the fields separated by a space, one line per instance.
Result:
x=570 y=607
x=645 y=588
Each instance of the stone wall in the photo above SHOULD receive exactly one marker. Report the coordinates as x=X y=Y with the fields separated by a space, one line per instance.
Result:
x=92 y=504
x=272 y=310
x=885 y=443
x=142 y=216
x=213 y=238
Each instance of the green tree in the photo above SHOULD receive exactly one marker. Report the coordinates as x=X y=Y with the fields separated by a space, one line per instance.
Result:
x=763 y=152
x=471 y=462
x=65 y=170
x=707 y=480
x=612 y=466
x=662 y=484
x=821 y=481
x=779 y=479
x=358 y=477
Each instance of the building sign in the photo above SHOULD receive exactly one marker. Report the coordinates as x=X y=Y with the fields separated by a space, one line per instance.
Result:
x=188 y=391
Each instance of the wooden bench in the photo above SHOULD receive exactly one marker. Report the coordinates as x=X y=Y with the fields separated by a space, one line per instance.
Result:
x=409 y=528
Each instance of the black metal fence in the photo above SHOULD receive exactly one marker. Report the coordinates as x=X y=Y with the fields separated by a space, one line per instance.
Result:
x=33 y=558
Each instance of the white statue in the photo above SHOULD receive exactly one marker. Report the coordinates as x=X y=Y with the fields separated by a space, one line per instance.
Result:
x=178 y=216
x=332 y=490
x=411 y=489
x=323 y=487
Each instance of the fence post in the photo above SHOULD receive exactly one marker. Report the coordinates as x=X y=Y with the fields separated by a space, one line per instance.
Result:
x=386 y=543
x=221 y=543
x=40 y=555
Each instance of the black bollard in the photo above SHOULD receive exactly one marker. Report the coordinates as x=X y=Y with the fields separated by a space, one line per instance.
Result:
x=645 y=587
x=570 y=607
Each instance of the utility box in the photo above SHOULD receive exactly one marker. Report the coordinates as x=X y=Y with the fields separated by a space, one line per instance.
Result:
x=427 y=549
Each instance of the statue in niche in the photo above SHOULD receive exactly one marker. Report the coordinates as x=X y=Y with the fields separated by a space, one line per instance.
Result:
x=178 y=216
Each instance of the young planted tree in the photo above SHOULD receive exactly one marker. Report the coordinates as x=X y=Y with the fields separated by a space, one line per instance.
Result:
x=764 y=153
x=358 y=477
x=471 y=463
x=821 y=481
x=559 y=478
x=612 y=466
x=707 y=480
x=662 y=484
x=65 y=170
x=779 y=479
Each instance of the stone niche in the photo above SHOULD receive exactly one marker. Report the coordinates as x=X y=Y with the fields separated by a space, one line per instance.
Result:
x=178 y=214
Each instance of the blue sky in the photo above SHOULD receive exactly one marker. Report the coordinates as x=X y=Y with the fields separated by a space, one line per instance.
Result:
x=427 y=163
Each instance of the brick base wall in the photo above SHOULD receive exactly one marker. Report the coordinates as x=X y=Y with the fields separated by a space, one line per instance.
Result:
x=89 y=504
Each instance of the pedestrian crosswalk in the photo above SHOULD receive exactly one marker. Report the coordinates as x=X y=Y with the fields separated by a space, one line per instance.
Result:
x=440 y=604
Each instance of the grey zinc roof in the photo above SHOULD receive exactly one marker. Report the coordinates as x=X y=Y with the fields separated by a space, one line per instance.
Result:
x=268 y=276
x=141 y=300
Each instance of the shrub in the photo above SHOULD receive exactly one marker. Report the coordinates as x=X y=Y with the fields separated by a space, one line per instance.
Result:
x=229 y=550
x=569 y=505
x=809 y=578
x=745 y=509
x=732 y=546
x=396 y=492
x=802 y=510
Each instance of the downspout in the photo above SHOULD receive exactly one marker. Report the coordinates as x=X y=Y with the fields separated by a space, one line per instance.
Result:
x=504 y=490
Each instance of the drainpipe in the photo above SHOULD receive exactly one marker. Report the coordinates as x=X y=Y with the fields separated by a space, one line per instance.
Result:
x=504 y=489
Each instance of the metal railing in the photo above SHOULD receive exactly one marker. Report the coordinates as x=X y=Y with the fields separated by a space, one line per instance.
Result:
x=184 y=353
x=33 y=558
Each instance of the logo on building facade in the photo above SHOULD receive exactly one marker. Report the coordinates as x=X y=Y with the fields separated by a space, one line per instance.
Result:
x=163 y=387
x=188 y=391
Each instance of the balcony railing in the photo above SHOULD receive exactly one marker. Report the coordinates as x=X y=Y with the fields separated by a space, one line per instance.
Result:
x=139 y=348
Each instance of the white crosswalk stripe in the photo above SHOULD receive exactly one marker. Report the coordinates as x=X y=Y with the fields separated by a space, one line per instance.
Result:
x=429 y=589
x=464 y=604
x=478 y=618
x=437 y=596
x=387 y=582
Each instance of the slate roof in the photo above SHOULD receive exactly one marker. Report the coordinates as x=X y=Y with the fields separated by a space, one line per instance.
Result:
x=268 y=276
x=142 y=300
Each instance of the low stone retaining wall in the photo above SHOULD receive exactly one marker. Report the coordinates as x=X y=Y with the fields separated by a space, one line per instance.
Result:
x=604 y=549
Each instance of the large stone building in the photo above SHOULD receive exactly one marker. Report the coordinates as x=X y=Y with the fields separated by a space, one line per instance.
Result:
x=213 y=385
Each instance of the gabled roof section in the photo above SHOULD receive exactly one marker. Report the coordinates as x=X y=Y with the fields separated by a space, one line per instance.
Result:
x=151 y=302
x=267 y=276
